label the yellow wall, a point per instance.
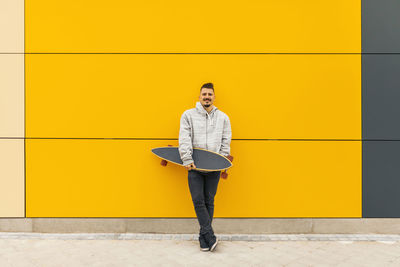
(122, 178)
(308, 94)
(257, 26)
(143, 96)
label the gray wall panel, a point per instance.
(381, 179)
(381, 96)
(381, 26)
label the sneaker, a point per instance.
(203, 244)
(212, 240)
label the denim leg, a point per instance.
(196, 186)
(210, 190)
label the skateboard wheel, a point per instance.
(224, 175)
(230, 157)
(164, 162)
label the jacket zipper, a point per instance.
(206, 130)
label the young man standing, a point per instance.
(209, 128)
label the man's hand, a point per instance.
(190, 166)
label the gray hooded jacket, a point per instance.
(200, 129)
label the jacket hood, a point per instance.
(201, 110)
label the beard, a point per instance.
(207, 105)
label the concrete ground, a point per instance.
(55, 250)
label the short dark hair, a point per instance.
(207, 85)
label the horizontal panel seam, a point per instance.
(55, 217)
(176, 139)
(111, 53)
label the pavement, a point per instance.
(183, 250)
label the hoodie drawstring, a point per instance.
(200, 108)
(211, 119)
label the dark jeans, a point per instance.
(203, 187)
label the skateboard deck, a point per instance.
(204, 160)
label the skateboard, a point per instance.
(205, 160)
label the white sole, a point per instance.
(215, 244)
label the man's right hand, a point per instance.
(190, 166)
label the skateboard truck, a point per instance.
(224, 174)
(164, 162)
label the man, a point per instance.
(209, 128)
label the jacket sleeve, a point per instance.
(185, 140)
(226, 138)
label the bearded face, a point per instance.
(207, 97)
